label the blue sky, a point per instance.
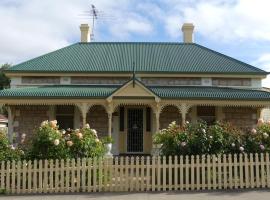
(238, 28)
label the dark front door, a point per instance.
(135, 130)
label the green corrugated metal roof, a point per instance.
(148, 58)
(211, 93)
(58, 92)
(185, 92)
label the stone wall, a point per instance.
(171, 81)
(168, 115)
(242, 117)
(97, 118)
(40, 80)
(231, 81)
(28, 118)
(99, 80)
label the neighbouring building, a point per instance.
(130, 90)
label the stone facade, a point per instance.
(242, 117)
(171, 81)
(97, 118)
(28, 118)
(99, 80)
(231, 82)
(40, 80)
(168, 115)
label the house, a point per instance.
(130, 90)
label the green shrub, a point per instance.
(85, 143)
(8, 151)
(219, 138)
(51, 143)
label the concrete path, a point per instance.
(222, 195)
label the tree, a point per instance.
(4, 81)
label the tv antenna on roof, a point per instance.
(95, 14)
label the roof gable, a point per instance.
(133, 88)
(148, 58)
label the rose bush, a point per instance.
(8, 151)
(199, 138)
(51, 143)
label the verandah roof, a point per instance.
(166, 92)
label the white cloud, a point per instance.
(264, 63)
(30, 28)
(222, 20)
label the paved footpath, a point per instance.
(221, 195)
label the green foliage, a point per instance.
(86, 144)
(219, 138)
(4, 81)
(51, 143)
(47, 143)
(7, 151)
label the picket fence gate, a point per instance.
(136, 174)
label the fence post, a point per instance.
(236, 171)
(181, 173)
(142, 177)
(209, 182)
(3, 175)
(83, 174)
(267, 170)
(127, 173)
(24, 177)
(246, 170)
(251, 163)
(148, 174)
(8, 177)
(62, 175)
(257, 164)
(170, 173)
(68, 180)
(19, 166)
(198, 174)
(230, 171)
(203, 172)
(131, 173)
(153, 173)
(219, 172)
(29, 175)
(158, 173)
(35, 187)
(78, 175)
(89, 175)
(13, 173)
(187, 166)
(116, 174)
(225, 175)
(45, 176)
(51, 170)
(164, 167)
(214, 161)
(121, 186)
(175, 172)
(137, 163)
(192, 172)
(40, 177)
(100, 174)
(241, 170)
(262, 163)
(95, 174)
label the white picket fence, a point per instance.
(136, 174)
